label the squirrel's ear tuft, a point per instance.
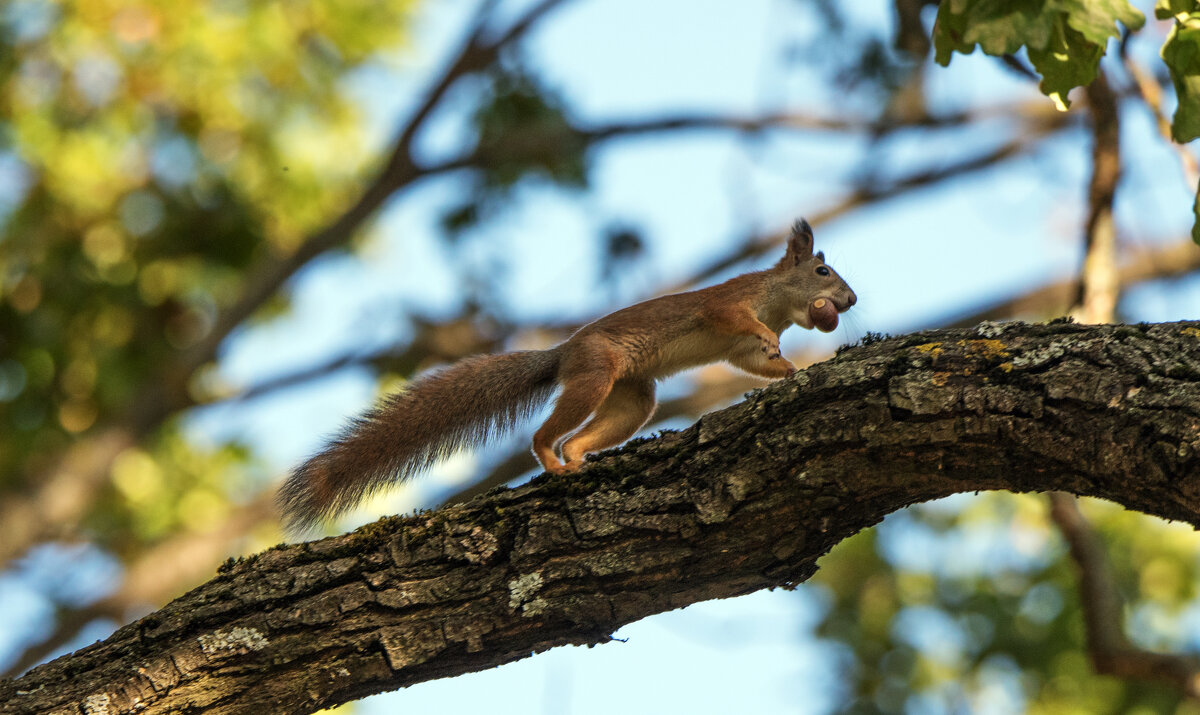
(800, 243)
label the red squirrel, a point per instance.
(607, 371)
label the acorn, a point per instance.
(824, 315)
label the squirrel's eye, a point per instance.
(822, 271)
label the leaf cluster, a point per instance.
(1064, 39)
(152, 155)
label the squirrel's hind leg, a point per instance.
(627, 407)
(587, 381)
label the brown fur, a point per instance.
(440, 413)
(607, 372)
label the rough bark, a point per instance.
(747, 498)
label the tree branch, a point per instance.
(25, 519)
(1096, 301)
(867, 195)
(1150, 93)
(1103, 614)
(434, 342)
(746, 499)
(65, 492)
(1174, 260)
(475, 54)
(28, 519)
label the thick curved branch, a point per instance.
(748, 498)
(28, 514)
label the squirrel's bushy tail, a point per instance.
(438, 414)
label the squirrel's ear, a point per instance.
(800, 243)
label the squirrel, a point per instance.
(607, 371)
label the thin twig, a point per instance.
(859, 197)
(475, 54)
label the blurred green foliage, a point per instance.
(149, 153)
(977, 604)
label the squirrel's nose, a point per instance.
(851, 300)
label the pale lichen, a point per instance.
(535, 607)
(521, 592)
(236, 638)
(96, 704)
(1040, 356)
(991, 329)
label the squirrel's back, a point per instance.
(438, 414)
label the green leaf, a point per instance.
(1181, 52)
(999, 27)
(1096, 19)
(1167, 9)
(1070, 61)
(1065, 39)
